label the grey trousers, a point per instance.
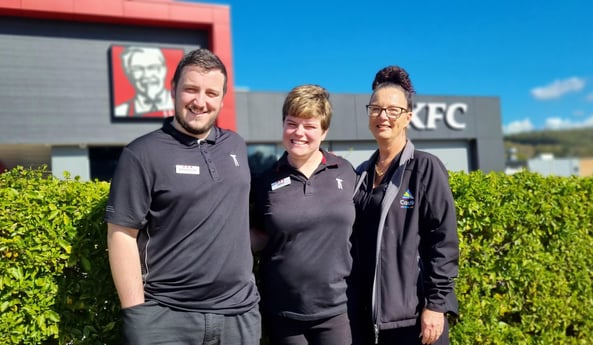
(154, 324)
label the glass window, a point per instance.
(261, 157)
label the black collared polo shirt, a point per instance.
(190, 201)
(309, 221)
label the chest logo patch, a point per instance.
(407, 200)
(280, 183)
(187, 169)
(234, 157)
(339, 181)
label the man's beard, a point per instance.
(193, 130)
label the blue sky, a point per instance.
(536, 56)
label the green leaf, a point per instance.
(86, 264)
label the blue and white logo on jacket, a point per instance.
(407, 200)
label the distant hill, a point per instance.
(562, 143)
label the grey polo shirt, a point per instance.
(307, 259)
(190, 201)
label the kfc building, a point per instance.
(80, 79)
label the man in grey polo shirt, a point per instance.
(178, 223)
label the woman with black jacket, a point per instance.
(405, 243)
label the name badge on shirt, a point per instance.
(187, 169)
(281, 183)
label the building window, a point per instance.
(103, 161)
(261, 157)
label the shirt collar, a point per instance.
(328, 160)
(188, 139)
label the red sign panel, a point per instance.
(141, 79)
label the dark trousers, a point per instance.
(154, 324)
(399, 336)
(331, 331)
(410, 336)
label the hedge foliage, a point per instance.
(55, 283)
(526, 269)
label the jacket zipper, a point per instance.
(376, 333)
(376, 303)
(407, 153)
(375, 297)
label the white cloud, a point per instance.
(551, 123)
(589, 97)
(558, 88)
(554, 123)
(558, 123)
(518, 127)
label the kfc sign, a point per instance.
(140, 81)
(427, 115)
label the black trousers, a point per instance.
(398, 336)
(331, 331)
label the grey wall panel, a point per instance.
(455, 155)
(264, 114)
(55, 85)
(490, 154)
(242, 111)
(362, 120)
(488, 118)
(343, 123)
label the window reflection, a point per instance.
(261, 157)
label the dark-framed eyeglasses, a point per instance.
(392, 112)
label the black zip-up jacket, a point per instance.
(417, 246)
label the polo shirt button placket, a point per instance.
(210, 163)
(308, 188)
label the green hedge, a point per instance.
(526, 269)
(55, 284)
(526, 274)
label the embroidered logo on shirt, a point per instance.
(280, 183)
(187, 169)
(234, 157)
(407, 200)
(339, 180)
